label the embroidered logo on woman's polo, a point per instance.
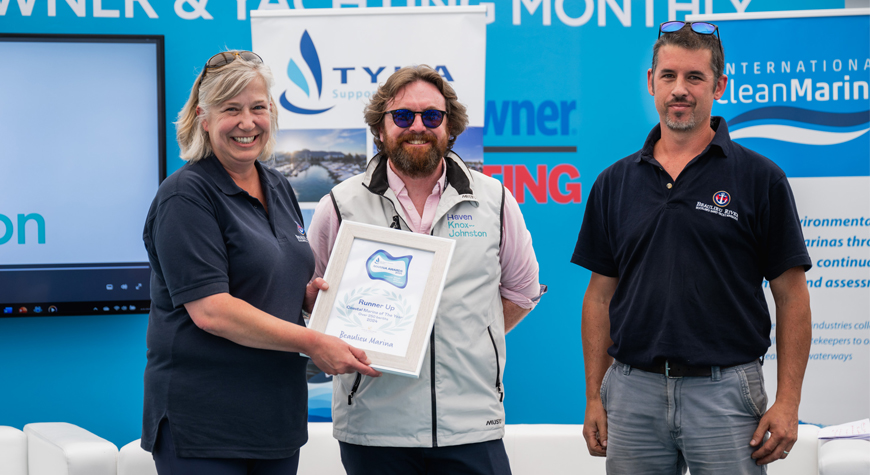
(721, 199)
(301, 236)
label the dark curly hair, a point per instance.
(457, 118)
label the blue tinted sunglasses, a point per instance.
(699, 27)
(404, 118)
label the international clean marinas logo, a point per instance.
(816, 98)
(312, 64)
(393, 270)
(800, 125)
(801, 103)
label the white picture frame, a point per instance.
(384, 289)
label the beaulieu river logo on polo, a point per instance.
(392, 270)
(721, 199)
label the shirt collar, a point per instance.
(457, 177)
(225, 182)
(721, 140)
(397, 185)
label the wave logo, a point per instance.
(392, 270)
(294, 72)
(800, 126)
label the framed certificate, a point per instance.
(384, 290)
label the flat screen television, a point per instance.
(85, 150)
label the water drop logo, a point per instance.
(393, 270)
(800, 126)
(294, 72)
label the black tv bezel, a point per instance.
(159, 42)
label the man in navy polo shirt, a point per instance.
(680, 238)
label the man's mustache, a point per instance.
(413, 136)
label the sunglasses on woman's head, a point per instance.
(224, 58)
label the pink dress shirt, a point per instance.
(519, 267)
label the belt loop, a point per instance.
(716, 373)
(626, 369)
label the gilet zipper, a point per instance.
(497, 367)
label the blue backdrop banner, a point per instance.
(565, 96)
(798, 94)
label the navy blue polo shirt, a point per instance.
(691, 253)
(204, 236)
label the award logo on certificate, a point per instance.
(384, 290)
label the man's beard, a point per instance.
(418, 162)
(688, 122)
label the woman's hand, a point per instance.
(331, 355)
(311, 291)
(334, 356)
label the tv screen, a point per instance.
(84, 155)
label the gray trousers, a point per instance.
(658, 425)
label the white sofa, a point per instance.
(320, 456)
(533, 449)
(803, 459)
(844, 457)
(551, 449)
(132, 460)
(13, 451)
(58, 448)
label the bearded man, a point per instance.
(450, 419)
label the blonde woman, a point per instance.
(225, 387)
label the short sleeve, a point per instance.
(593, 249)
(190, 249)
(784, 244)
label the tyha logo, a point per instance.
(294, 72)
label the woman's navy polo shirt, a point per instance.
(691, 253)
(204, 236)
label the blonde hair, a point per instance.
(212, 87)
(457, 118)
